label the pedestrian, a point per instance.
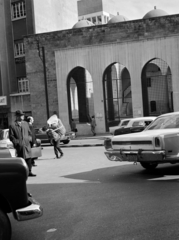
(73, 126)
(93, 125)
(55, 133)
(21, 136)
(35, 142)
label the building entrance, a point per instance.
(157, 89)
(117, 94)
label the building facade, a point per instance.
(112, 71)
(98, 11)
(20, 18)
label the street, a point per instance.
(87, 197)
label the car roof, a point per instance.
(143, 118)
(126, 119)
(169, 114)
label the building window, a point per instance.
(94, 20)
(23, 85)
(19, 50)
(18, 10)
(99, 19)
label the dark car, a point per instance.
(14, 197)
(121, 131)
(40, 134)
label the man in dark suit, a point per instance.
(21, 136)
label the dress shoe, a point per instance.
(34, 165)
(61, 155)
(32, 175)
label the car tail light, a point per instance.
(157, 142)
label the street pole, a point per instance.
(45, 82)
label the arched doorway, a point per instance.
(80, 95)
(117, 94)
(157, 90)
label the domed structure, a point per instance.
(155, 13)
(118, 18)
(83, 23)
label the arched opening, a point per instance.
(117, 94)
(157, 89)
(80, 95)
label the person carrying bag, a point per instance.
(55, 133)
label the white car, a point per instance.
(158, 143)
(7, 148)
(132, 122)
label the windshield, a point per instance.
(165, 122)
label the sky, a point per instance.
(136, 9)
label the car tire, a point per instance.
(66, 141)
(149, 166)
(5, 226)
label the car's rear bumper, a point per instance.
(136, 156)
(34, 210)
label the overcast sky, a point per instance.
(136, 9)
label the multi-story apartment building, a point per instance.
(19, 18)
(98, 11)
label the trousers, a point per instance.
(57, 148)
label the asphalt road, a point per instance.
(87, 197)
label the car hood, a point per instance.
(145, 135)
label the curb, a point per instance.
(83, 145)
(77, 145)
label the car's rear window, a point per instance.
(125, 123)
(138, 123)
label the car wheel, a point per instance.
(66, 141)
(149, 166)
(5, 226)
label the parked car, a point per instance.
(157, 144)
(14, 197)
(7, 148)
(132, 122)
(123, 123)
(134, 125)
(44, 138)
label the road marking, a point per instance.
(165, 177)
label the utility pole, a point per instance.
(45, 82)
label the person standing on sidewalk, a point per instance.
(73, 126)
(21, 136)
(93, 125)
(35, 142)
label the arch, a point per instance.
(117, 94)
(157, 90)
(80, 95)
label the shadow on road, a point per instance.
(127, 173)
